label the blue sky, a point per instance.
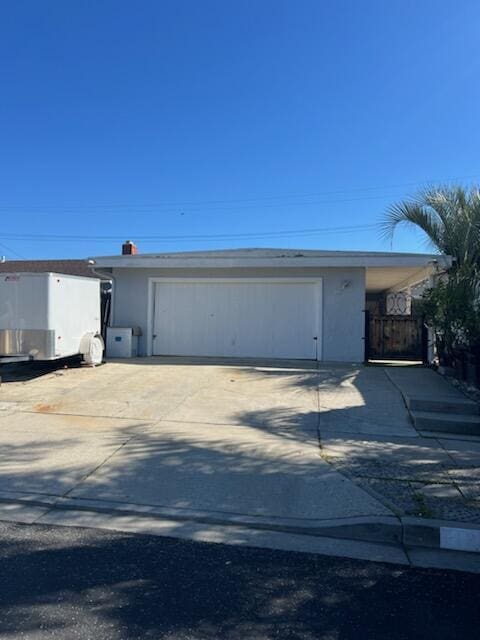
(158, 120)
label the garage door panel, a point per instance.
(236, 319)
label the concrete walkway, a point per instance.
(434, 404)
(423, 383)
(437, 476)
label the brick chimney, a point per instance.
(128, 248)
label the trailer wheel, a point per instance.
(92, 351)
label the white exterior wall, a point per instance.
(343, 302)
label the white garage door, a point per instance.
(261, 318)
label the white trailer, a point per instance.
(48, 316)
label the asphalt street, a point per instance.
(61, 582)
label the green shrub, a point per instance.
(452, 309)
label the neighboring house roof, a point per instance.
(68, 267)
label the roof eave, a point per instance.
(361, 260)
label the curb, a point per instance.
(386, 529)
(406, 531)
(441, 534)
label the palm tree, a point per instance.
(450, 219)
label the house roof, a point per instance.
(383, 270)
(253, 257)
(254, 252)
(68, 267)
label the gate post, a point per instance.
(425, 341)
(366, 337)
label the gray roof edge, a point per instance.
(267, 253)
(276, 256)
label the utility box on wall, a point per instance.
(122, 342)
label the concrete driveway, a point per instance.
(195, 439)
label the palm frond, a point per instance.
(449, 216)
(415, 214)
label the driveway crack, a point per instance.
(85, 477)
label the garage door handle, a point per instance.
(315, 337)
(154, 336)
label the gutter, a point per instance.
(109, 276)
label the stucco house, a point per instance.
(268, 303)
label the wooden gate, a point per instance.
(395, 337)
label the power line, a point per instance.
(156, 211)
(152, 210)
(176, 238)
(79, 207)
(12, 252)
